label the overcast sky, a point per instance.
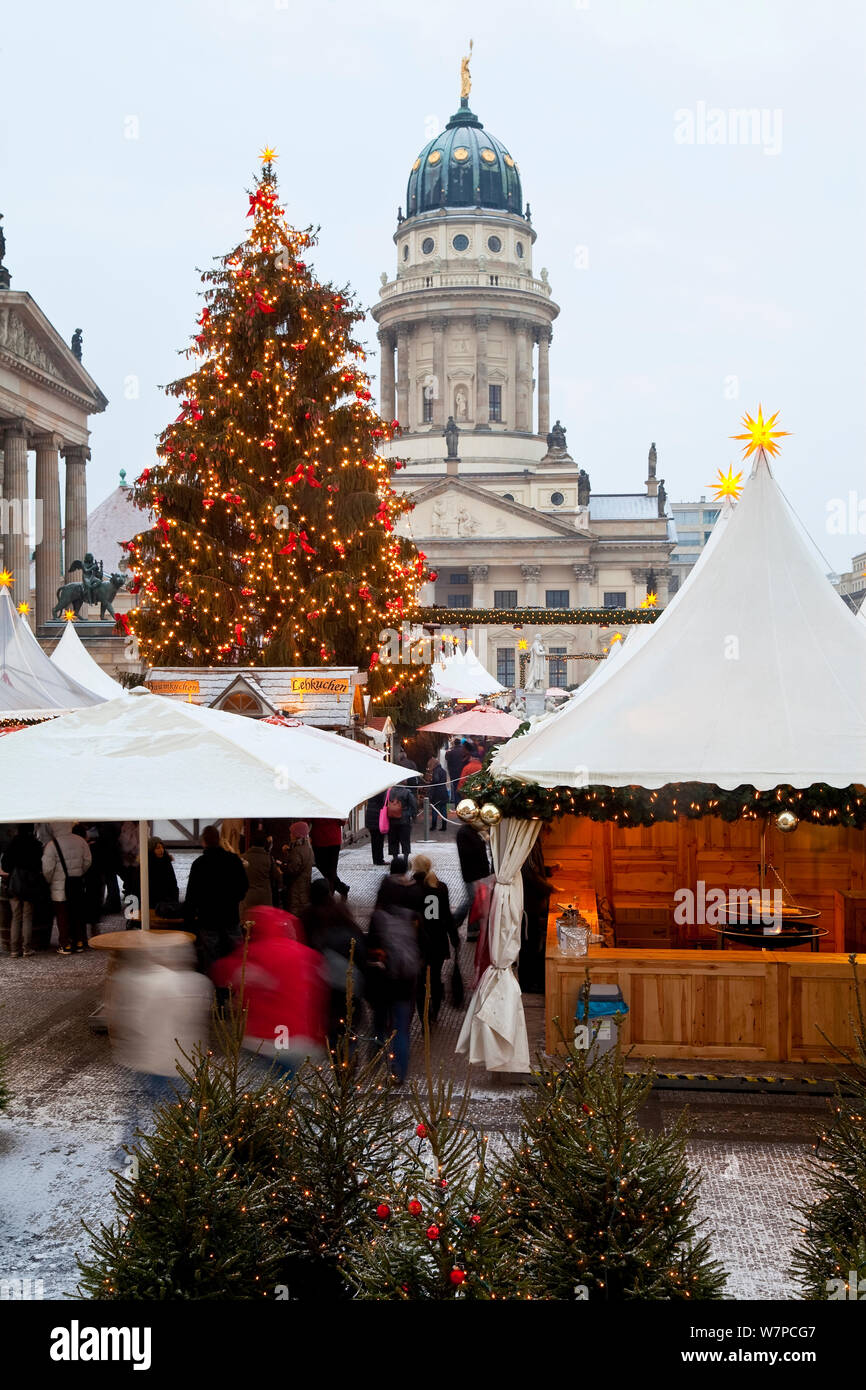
(694, 278)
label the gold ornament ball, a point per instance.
(786, 820)
(490, 814)
(466, 809)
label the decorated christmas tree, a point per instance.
(274, 539)
(601, 1208)
(830, 1260)
(436, 1226)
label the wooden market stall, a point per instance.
(720, 758)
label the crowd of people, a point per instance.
(272, 924)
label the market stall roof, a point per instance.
(754, 675)
(483, 721)
(147, 757)
(31, 685)
(73, 658)
(463, 677)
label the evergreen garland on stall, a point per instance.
(635, 806)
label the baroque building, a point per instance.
(507, 517)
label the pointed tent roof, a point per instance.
(754, 676)
(74, 660)
(31, 685)
(462, 677)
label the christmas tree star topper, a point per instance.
(268, 154)
(729, 484)
(760, 434)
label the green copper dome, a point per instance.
(464, 167)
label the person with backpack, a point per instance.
(65, 860)
(21, 865)
(401, 808)
(393, 963)
(436, 932)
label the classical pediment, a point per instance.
(30, 343)
(453, 508)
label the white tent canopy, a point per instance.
(753, 675)
(73, 658)
(31, 685)
(147, 757)
(463, 677)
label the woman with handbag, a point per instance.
(65, 860)
(22, 863)
(401, 808)
(373, 821)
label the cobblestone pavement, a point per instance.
(58, 1140)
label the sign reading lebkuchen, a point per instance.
(320, 685)
(174, 687)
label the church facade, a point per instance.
(506, 516)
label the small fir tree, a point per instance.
(829, 1261)
(436, 1227)
(201, 1214)
(602, 1209)
(274, 539)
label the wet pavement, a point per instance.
(59, 1137)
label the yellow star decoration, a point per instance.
(650, 601)
(267, 154)
(729, 484)
(523, 644)
(69, 615)
(617, 637)
(760, 434)
(24, 609)
(5, 579)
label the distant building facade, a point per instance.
(694, 523)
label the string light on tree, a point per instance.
(274, 539)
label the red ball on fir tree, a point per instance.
(458, 1276)
(475, 1219)
(383, 1211)
(433, 1232)
(421, 1130)
(415, 1208)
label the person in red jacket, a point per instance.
(326, 837)
(285, 991)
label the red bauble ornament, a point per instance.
(415, 1208)
(475, 1219)
(443, 1182)
(585, 1108)
(383, 1211)
(458, 1276)
(421, 1130)
(433, 1232)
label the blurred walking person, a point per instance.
(401, 808)
(393, 962)
(296, 866)
(216, 888)
(263, 876)
(437, 932)
(326, 837)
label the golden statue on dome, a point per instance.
(465, 75)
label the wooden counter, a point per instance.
(750, 1005)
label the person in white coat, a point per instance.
(158, 1010)
(65, 860)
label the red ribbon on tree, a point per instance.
(189, 411)
(121, 621)
(298, 538)
(163, 526)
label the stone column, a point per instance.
(49, 572)
(387, 405)
(76, 456)
(523, 379)
(439, 379)
(17, 542)
(482, 377)
(663, 586)
(478, 575)
(543, 336)
(586, 578)
(403, 376)
(532, 574)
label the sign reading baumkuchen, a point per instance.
(173, 687)
(320, 685)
